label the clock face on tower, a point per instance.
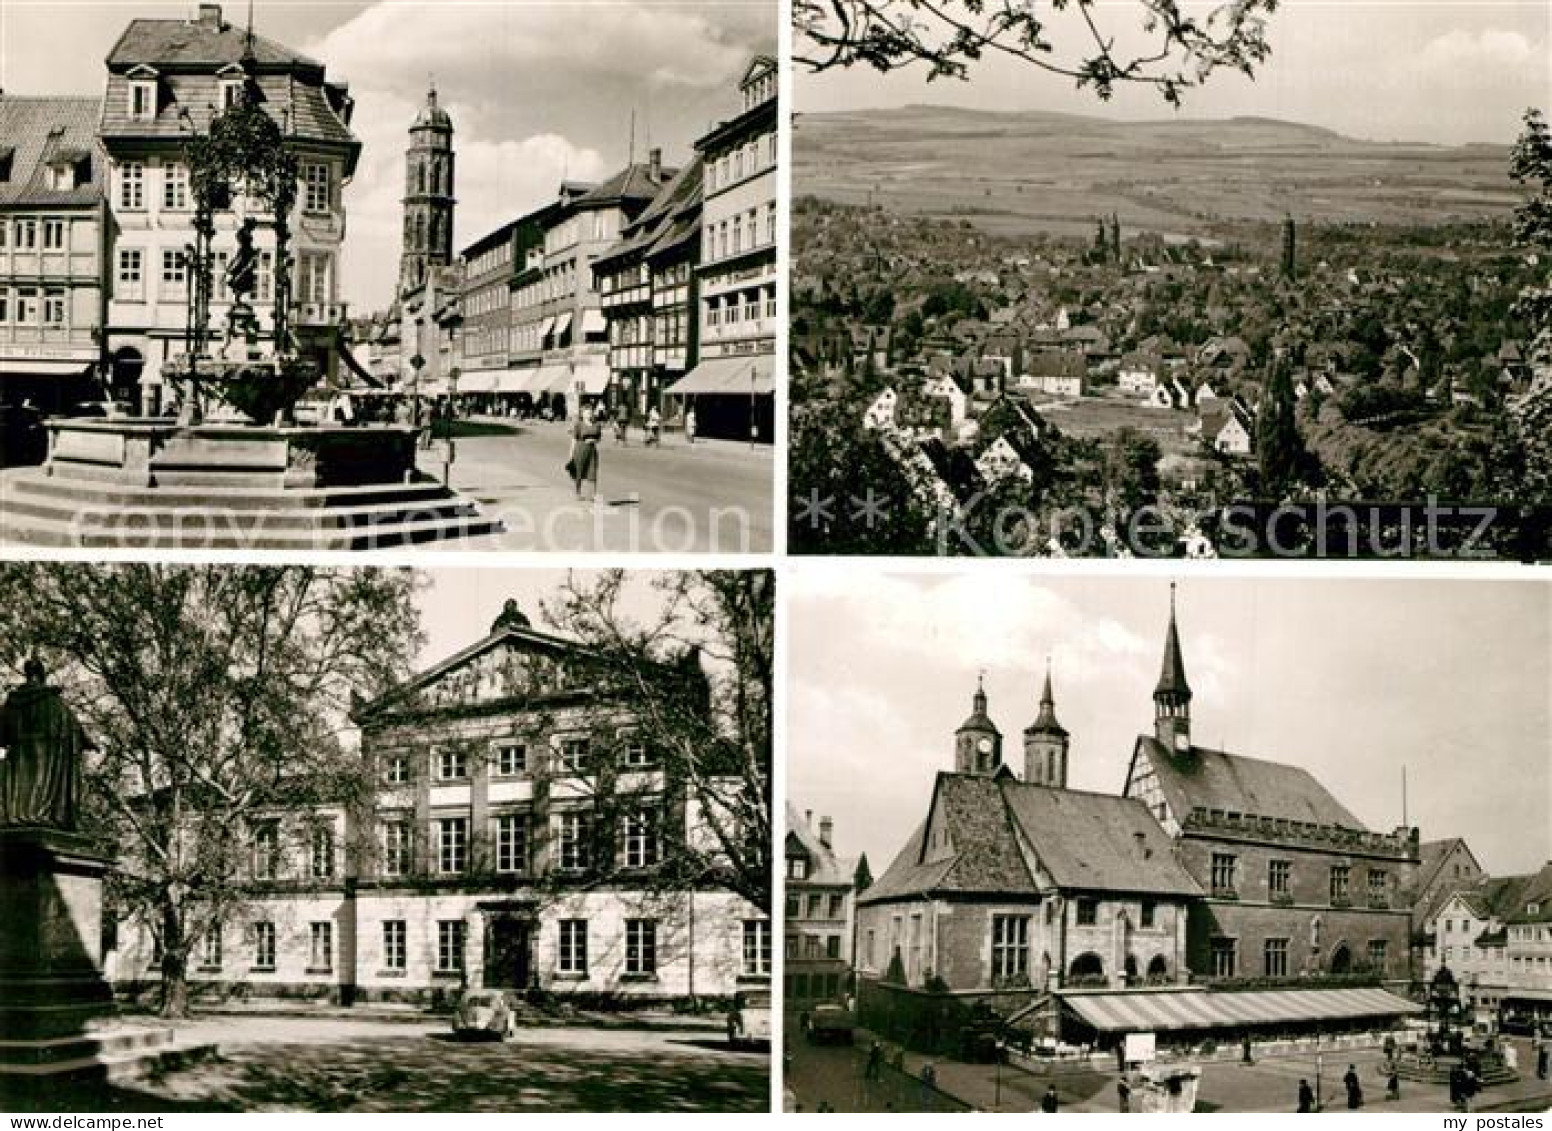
(984, 746)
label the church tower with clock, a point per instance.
(978, 742)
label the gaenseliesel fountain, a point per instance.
(235, 468)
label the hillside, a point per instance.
(1030, 171)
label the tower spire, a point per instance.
(1172, 695)
(1046, 741)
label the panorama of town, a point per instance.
(984, 363)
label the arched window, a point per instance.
(420, 178)
(1341, 959)
(1158, 969)
(1087, 967)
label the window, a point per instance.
(53, 235)
(797, 868)
(320, 954)
(1278, 873)
(317, 191)
(757, 947)
(1087, 912)
(398, 769)
(264, 278)
(511, 759)
(869, 947)
(231, 93)
(5, 229)
(5, 302)
(573, 755)
(1150, 913)
(174, 271)
(1010, 946)
(815, 905)
(266, 851)
(837, 908)
(1379, 888)
(635, 753)
(313, 278)
(1223, 873)
(396, 848)
(1339, 877)
(832, 946)
(264, 946)
(640, 840)
(573, 947)
(395, 948)
(1377, 955)
(1223, 951)
(175, 187)
(142, 99)
(1275, 956)
(27, 306)
(321, 850)
(450, 762)
(449, 954)
(26, 235)
(53, 307)
(573, 842)
(452, 842)
(641, 946)
(132, 186)
(512, 843)
(793, 911)
(211, 958)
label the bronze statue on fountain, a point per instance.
(244, 148)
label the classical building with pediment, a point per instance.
(508, 836)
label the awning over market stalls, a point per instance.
(480, 380)
(1143, 1011)
(727, 376)
(34, 367)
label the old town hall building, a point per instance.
(510, 838)
(1172, 908)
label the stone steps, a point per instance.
(67, 512)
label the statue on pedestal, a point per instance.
(42, 744)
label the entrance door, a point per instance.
(508, 954)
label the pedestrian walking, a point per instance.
(654, 428)
(1244, 1050)
(689, 426)
(1306, 1096)
(875, 1062)
(1354, 1088)
(583, 464)
(1543, 1056)
(1050, 1101)
(929, 1083)
(1123, 1096)
(1393, 1085)
(1457, 1073)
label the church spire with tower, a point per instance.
(428, 195)
(1172, 696)
(978, 742)
(1045, 743)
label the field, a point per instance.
(1015, 173)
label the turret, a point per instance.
(977, 742)
(1172, 696)
(1045, 743)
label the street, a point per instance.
(835, 1075)
(336, 1065)
(714, 496)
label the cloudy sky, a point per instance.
(1350, 679)
(1441, 71)
(537, 91)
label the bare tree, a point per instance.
(216, 694)
(949, 37)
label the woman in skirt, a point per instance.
(585, 435)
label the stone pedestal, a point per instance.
(1167, 1089)
(51, 982)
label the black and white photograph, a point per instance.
(287, 838)
(1110, 844)
(1121, 278)
(338, 276)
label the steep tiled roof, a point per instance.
(38, 130)
(825, 866)
(634, 182)
(1213, 779)
(1096, 841)
(196, 43)
(301, 107)
(668, 219)
(1172, 672)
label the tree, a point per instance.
(949, 37)
(1279, 448)
(710, 731)
(214, 694)
(1524, 451)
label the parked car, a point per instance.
(749, 1021)
(830, 1022)
(484, 1013)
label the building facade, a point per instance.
(485, 344)
(166, 78)
(820, 927)
(508, 840)
(51, 259)
(648, 293)
(1295, 887)
(731, 387)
